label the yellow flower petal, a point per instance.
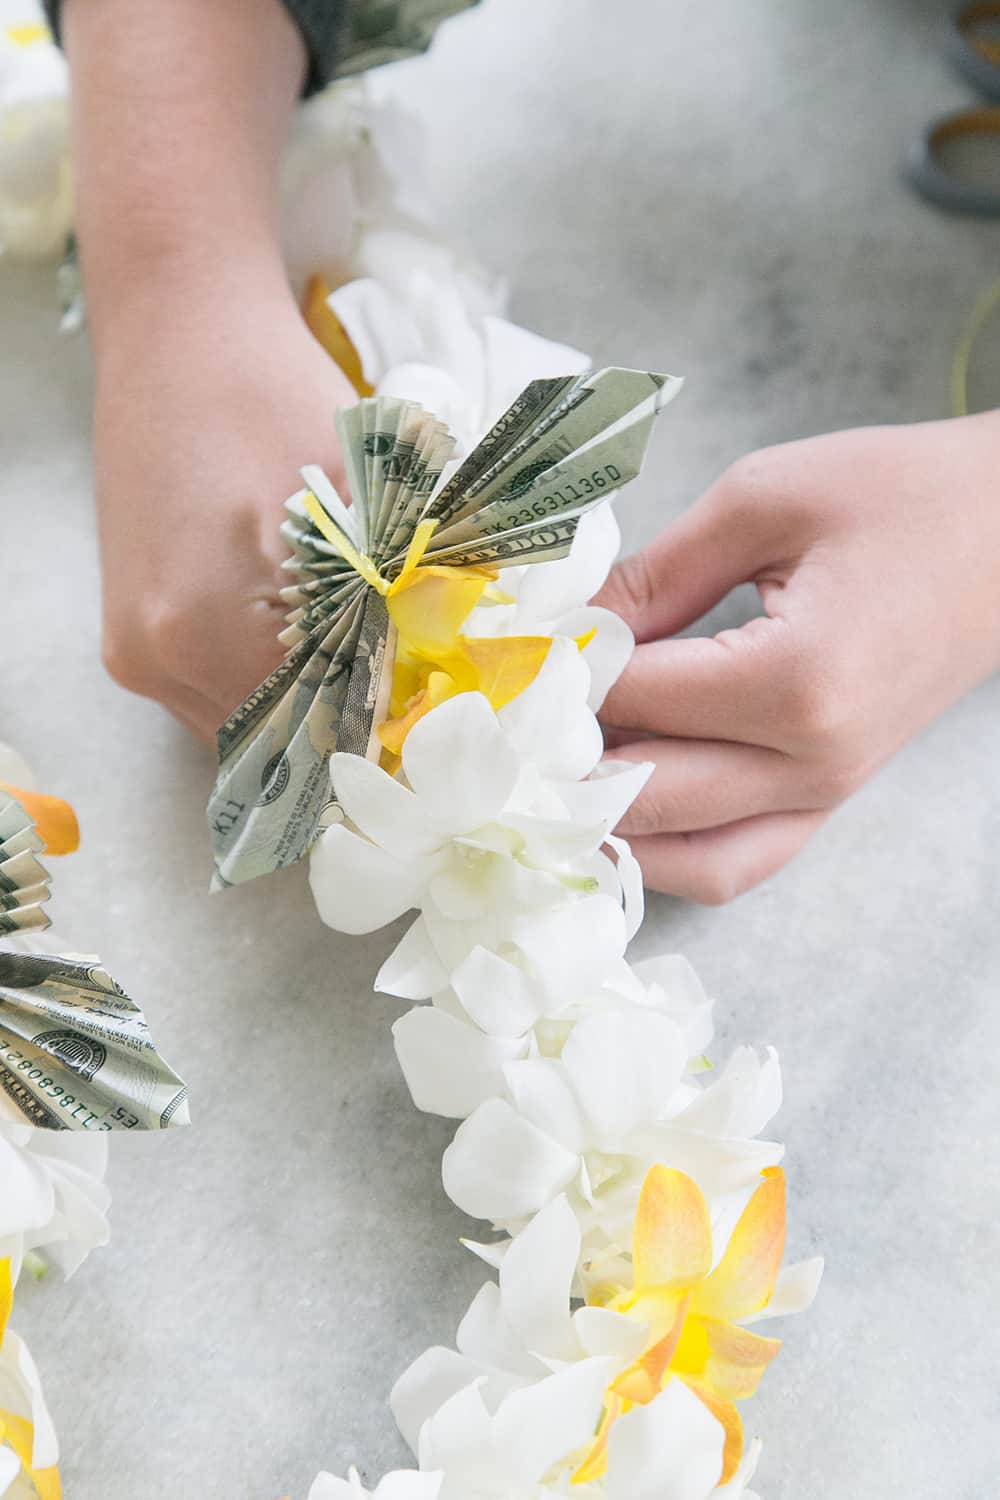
(725, 1412)
(19, 1433)
(393, 732)
(6, 1295)
(47, 1483)
(596, 1461)
(54, 819)
(672, 1238)
(743, 1281)
(647, 1377)
(506, 666)
(727, 1359)
(326, 327)
(428, 606)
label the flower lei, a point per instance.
(641, 1216)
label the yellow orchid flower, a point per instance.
(693, 1311)
(17, 1432)
(434, 661)
(54, 819)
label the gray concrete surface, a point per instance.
(706, 188)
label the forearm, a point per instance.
(180, 111)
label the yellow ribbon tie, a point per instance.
(360, 561)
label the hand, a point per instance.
(876, 554)
(203, 419)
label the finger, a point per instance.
(739, 685)
(708, 783)
(728, 537)
(718, 864)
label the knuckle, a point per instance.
(125, 665)
(835, 778)
(716, 885)
(630, 589)
(818, 704)
(148, 648)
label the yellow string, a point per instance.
(360, 561)
(987, 305)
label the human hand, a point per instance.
(876, 554)
(205, 412)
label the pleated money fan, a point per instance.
(75, 1051)
(383, 586)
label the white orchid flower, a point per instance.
(422, 333)
(353, 166)
(36, 198)
(509, 1452)
(54, 1198)
(524, 1448)
(516, 1332)
(553, 598)
(469, 840)
(594, 1120)
(453, 1052)
(29, 1451)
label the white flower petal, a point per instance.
(384, 810)
(630, 879)
(680, 994)
(459, 1439)
(536, 1279)
(432, 1379)
(460, 764)
(550, 590)
(550, 723)
(548, 1421)
(742, 1100)
(794, 1291)
(413, 970)
(450, 1067)
(28, 1198)
(499, 996)
(571, 948)
(608, 792)
(501, 1167)
(486, 1337)
(668, 1450)
(542, 1093)
(601, 1331)
(607, 654)
(515, 356)
(357, 886)
(624, 1068)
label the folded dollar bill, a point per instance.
(75, 1051)
(24, 880)
(563, 447)
(373, 32)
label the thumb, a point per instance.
(725, 539)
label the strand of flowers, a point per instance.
(53, 1206)
(642, 1217)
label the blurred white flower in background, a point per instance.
(36, 196)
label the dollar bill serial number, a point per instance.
(582, 489)
(42, 1084)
